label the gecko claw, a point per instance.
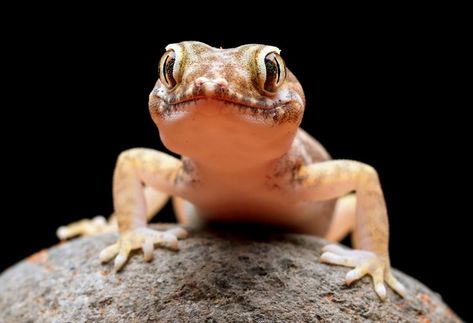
(141, 238)
(364, 263)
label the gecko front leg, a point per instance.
(136, 168)
(332, 179)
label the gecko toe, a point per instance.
(333, 248)
(148, 248)
(378, 282)
(120, 261)
(395, 284)
(178, 232)
(334, 259)
(355, 274)
(381, 291)
(109, 253)
(168, 240)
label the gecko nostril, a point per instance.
(221, 82)
(200, 81)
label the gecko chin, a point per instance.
(204, 125)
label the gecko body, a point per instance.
(234, 115)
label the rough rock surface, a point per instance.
(218, 276)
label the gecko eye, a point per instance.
(166, 69)
(275, 72)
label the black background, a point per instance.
(380, 89)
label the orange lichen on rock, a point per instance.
(424, 298)
(39, 257)
(423, 319)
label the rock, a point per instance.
(219, 275)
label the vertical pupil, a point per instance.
(275, 72)
(165, 72)
(272, 74)
(169, 70)
(279, 70)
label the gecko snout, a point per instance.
(210, 86)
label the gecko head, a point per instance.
(210, 98)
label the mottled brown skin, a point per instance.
(233, 115)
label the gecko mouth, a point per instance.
(275, 111)
(263, 105)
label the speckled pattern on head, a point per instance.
(242, 73)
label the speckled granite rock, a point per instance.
(218, 276)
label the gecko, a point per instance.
(233, 115)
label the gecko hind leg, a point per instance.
(155, 200)
(187, 213)
(87, 227)
(343, 219)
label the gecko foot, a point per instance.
(364, 263)
(86, 227)
(141, 238)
